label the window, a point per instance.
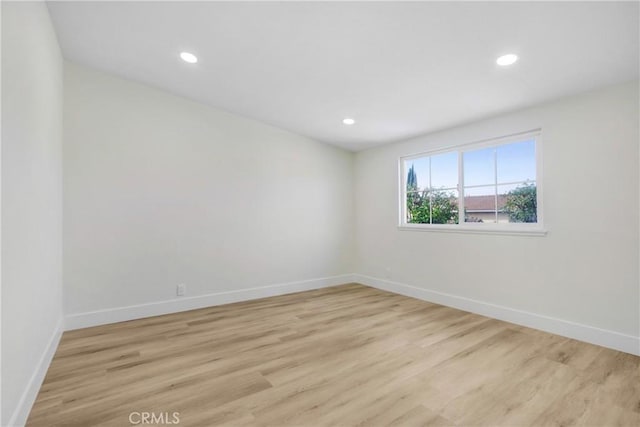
(488, 186)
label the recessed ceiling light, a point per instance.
(189, 57)
(348, 121)
(505, 60)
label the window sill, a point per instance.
(484, 229)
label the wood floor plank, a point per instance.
(348, 355)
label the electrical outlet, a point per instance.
(181, 289)
(387, 272)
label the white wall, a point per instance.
(585, 270)
(31, 202)
(159, 190)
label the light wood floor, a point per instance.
(347, 355)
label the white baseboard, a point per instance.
(605, 338)
(21, 413)
(121, 314)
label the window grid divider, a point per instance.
(495, 180)
(461, 212)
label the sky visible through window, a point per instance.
(516, 163)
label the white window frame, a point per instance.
(532, 229)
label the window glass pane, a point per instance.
(479, 167)
(444, 206)
(519, 203)
(418, 208)
(480, 204)
(444, 170)
(517, 162)
(417, 171)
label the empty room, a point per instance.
(320, 213)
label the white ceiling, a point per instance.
(400, 69)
